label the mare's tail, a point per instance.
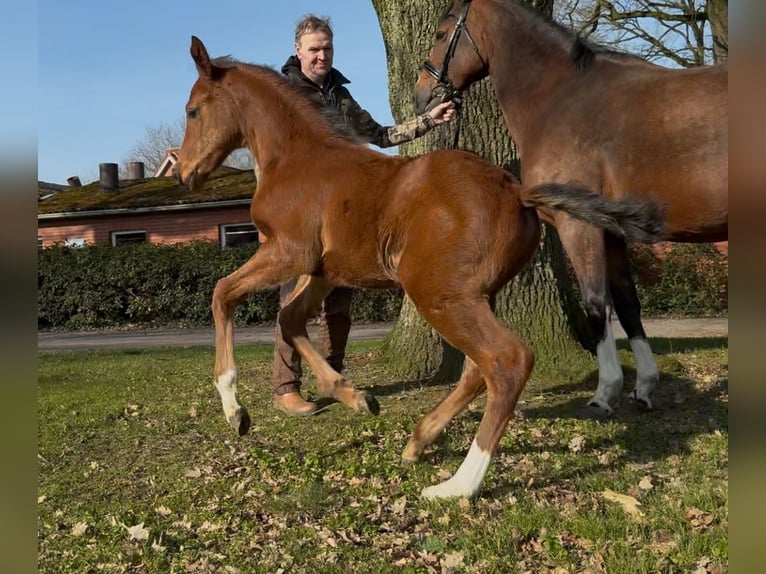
(632, 219)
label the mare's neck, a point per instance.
(528, 59)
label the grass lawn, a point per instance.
(139, 472)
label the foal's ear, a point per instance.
(201, 58)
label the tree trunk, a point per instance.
(541, 305)
(718, 16)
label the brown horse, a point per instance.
(607, 121)
(449, 227)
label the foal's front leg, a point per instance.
(266, 269)
(306, 298)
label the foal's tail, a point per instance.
(632, 219)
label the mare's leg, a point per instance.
(467, 323)
(628, 308)
(268, 268)
(470, 386)
(305, 299)
(585, 247)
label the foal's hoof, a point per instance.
(366, 403)
(642, 402)
(240, 421)
(410, 454)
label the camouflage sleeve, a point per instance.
(384, 136)
(409, 130)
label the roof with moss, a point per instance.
(224, 185)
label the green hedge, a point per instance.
(691, 280)
(152, 285)
(148, 285)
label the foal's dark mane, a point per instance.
(308, 109)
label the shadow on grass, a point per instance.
(684, 408)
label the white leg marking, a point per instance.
(647, 372)
(467, 480)
(227, 388)
(609, 371)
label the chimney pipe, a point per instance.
(74, 181)
(136, 170)
(108, 176)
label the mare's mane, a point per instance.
(297, 99)
(582, 52)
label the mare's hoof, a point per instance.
(642, 402)
(240, 422)
(600, 408)
(366, 403)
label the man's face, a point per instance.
(315, 54)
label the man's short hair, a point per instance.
(310, 24)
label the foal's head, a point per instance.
(212, 129)
(215, 122)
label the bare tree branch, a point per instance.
(161, 137)
(678, 32)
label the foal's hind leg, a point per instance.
(628, 308)
(305, 299)
(585, 248)
(470, 386)
(505, 363)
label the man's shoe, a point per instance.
(294, 404)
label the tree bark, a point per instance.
(718, 17)
(541, 305)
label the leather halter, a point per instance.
(440, 75)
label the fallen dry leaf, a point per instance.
(628, 503)
(646, 483)
(138, 532)
(699, 519)
(701, 566)
(452, 560)
(79, 529)
(398, 506)
(577, 444)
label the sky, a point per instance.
(110, 70)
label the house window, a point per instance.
(237, 234)
(74, 242)
(126, 237)
(39, 242)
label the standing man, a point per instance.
(311, 69)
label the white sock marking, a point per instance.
(227, 388)
(609, 370)
(467, 480)
(647, 372)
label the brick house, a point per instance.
(155, 210)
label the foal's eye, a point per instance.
(192, 113)
(440, 35)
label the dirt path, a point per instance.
(50, 341)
